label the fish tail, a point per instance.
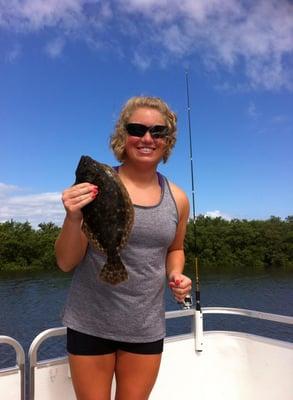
(114, 271)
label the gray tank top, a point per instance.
(134, 310)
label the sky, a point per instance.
(68, 66)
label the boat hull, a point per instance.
(202, 364)
(232, 366)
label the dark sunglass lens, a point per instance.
(138, 130)
(159, 131)
(158, 128)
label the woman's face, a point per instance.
(145, 149)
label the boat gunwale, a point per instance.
(60, 331)
(283, 319)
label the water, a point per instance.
(270, 291)
(33, 303)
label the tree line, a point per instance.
(218, 243)
(25, 248)
(256, 244)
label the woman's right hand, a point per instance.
(76, 197)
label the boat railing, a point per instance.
(14, 375)
(197, 319)
(36, 365)
(284, 319)
(38, 368)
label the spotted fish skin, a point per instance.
(108, 219)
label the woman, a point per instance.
(120, 329)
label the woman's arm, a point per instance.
(71, 244)
(178, 282)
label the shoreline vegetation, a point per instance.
(256, 245)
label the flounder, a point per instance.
(108, 219)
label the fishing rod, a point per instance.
(198, 313)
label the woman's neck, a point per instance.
(139, 176)
(142, 184)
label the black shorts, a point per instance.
(86, 345)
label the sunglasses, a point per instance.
(139, 130)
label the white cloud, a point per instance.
(32, 15)
(66, 15)
(13, 54)
(5, 188)
(253, 35)
(34, 208)
(281, 119)
(252, 112)
(217, 214)
(55, 47)
(141, 61)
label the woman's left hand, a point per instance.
(180, 286)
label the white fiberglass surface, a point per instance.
(10, 386)
(231, 366)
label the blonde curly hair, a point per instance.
(118, 138)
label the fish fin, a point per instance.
(114, 272)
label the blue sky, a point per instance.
(66, 68)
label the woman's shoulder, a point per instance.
(177, 191)
(180, 198)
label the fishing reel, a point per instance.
(187, 302)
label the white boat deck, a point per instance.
(231, 366)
